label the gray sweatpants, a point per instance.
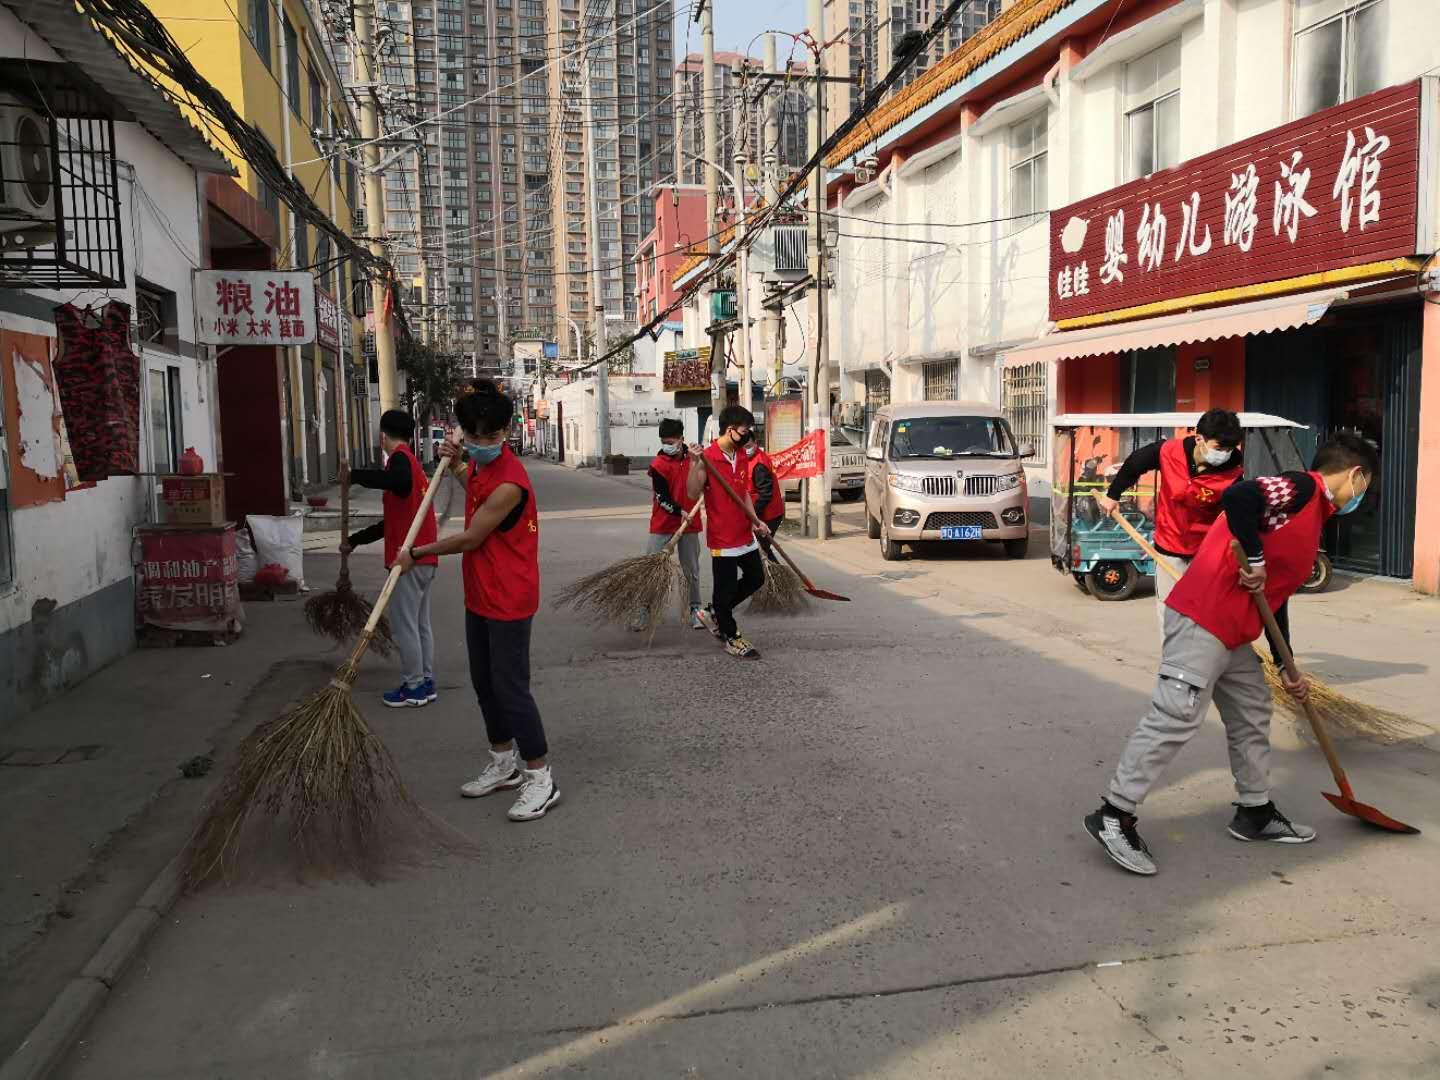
(688, 551)
(409, 613)
(1195, 666)
(1163, 585)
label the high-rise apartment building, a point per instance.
(518, 107)
(737, 89)
(869, 30)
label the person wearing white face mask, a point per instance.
(669, 472)
(1194, 473)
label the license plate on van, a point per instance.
(960, 532)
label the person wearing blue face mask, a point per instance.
(500, 549)
(1210, 621)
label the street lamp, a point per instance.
(741, 272)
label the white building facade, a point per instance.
(66, 575)
(944, 238)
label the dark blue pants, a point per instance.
(500, 671)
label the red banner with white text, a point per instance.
(802, 461)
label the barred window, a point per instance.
(1023, 401)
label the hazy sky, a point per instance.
(738, 21)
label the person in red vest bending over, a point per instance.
(669, 504)
(766, 494)
(403, 483)
(1194, 473)
(500, 566)
(1210, 621)
(730, 526)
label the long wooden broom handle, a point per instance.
(1287, 661)
(684, 524)
(342, 434)
(740, 503)
(1145, 545)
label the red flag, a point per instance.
(803, 460)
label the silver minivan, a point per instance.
(945, 471)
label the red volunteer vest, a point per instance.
(399, 513)
(726, 524)
(1210, 592)
(1188, 505)
(676, 471)
(502, 575)
(776, 506)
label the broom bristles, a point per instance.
(783, 593)
(630, 592)
(1340, 711)
(341, 614)
(319, 766)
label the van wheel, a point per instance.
(1015, 549)
(872, 527)
(850, 495)
(889, 549)
(1113, 580)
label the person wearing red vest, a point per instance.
(670, 502)
(766, 494)
(1210, 621)
(402, 482)
(1194, 473)
(500, 566)
(730, 527)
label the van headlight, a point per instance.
(904, 482)
(1009, 483)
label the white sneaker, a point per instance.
(501, 774)
(538, 794)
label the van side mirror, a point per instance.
(1027, 450)
(875, 453)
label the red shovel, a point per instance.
(810, 587)
(1345, 802)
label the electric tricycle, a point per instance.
(1087, 450)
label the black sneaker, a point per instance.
(1268, 823)
(1115, 831)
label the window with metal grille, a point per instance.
(155, 316)
(1023, 400)
(942, 380)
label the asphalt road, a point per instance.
(861, 856)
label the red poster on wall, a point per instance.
(1334, 189)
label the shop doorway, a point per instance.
(1358, 371)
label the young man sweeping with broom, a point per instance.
(402, 482)
(669, 472)
(1194, 473)
(1210, 621)
(501, 570)
(731, 526)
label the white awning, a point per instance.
(1208, 324)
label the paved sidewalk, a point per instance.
(102, 804)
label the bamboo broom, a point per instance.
(1334, 707)
(320, 764)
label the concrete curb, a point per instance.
(75, 1006)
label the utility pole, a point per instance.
(770, 162)
(820, 380)
(374, 202)
(597, 280)
(712, 190)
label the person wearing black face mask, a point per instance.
(670, 502)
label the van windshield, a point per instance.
(950, 436)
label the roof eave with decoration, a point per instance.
(1008, 38)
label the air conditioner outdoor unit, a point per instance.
(27, 188)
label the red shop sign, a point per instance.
(1335, 189)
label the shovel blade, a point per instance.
(1368, 814)
(825, 594)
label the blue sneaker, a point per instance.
(406, 696)
(431, 694)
